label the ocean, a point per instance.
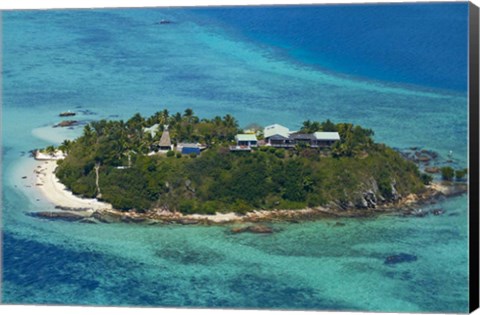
(398, 69)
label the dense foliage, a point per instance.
(448, 173)
(222, 181)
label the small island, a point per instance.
(183, 167)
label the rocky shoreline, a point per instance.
(254, 222)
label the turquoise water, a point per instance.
(118, 62)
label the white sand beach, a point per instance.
(56, 192)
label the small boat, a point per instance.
(165, 22)
(67, 113)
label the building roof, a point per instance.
(165, 139)
(276, 129)
(246, 137)
(326, 135)
(302, 136)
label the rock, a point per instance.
(431, 154)
(187, 221)
(257, 229)
(437, 211)
(236, 230)
(293, 221)
(395, 194)
(128, 219)
(345, 205)
(419, 213)
(63, 216)
(66, 114)
(71, 209)
(370, 199)
(432, 170)
(424, 158)
(400, 258)
(23, 177)
(66, 123)
(88, 221)
(106, 217)
(339, 224)
(361, 203)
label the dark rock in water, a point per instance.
(187, 222)
(128, 219)
(64, 216)
(424, 158)
(455, 214)
(339, 224)
(67, 114)
(400, 258)
(236, 230)
(257, 229)
(431, 154)
(24, 177)
(105, 217)
(71, 209)
(432, 170)
(437, 211)
(165, 22)
(419, 213)
(294, 221)
(88, 221)
(66, 123)
(87, 112)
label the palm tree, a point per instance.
(164, 117)
(230, 121)
(188, 112)
(50, 150)
(307, 125)
(65, 146)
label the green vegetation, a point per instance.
(447, 173)
(460, 174)
(222, 181)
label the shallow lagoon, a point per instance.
(116, 63)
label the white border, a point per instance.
(48, 4)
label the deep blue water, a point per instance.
(398, 69)
(423, 44)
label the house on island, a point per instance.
(245, 139)
(325, 139)
(165, 144)
(301, 138)
(245, 142)
(279, 136)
